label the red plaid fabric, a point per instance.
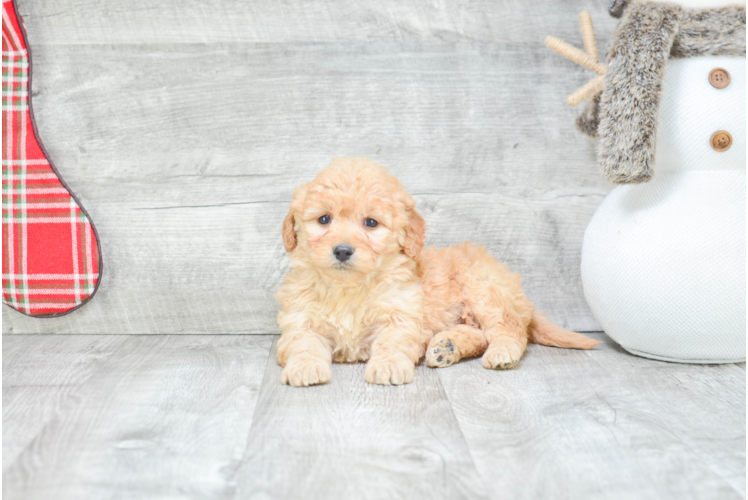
(51, 259)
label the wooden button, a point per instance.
(719, 78)
(721, 141)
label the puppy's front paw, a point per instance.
(442, 352)
(502, 353)
(305, 371)
(395, 370)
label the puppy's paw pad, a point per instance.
(501, 355)
(306, 372)
(441, 352)
(395, 370)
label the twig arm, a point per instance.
(574, 54)
(586, 91)
(588, 35)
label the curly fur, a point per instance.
(624, 114)
(392, 298)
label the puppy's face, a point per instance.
(351, 219)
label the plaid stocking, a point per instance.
(51, 262)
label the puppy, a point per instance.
(362, 288)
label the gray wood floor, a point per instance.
(175, 416)
(183, 127)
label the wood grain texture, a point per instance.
(141, 22)
(163, 417)
(169, 416)
(42, 378)
(349, 439)
(183, 128)
(603, 424)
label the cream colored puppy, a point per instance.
(361, 288)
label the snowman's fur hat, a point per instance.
(624, 114)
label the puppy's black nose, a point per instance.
(342, 252)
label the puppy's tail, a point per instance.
(544, 331)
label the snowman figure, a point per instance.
(663, 258)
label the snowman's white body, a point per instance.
(663, 263)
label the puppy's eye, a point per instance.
(325, 219)
(371, 223)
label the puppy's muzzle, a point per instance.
(342, 252)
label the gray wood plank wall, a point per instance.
(183, 127)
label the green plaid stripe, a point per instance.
(17, 74)
(48, 217)
(47, 289)
(15, 78)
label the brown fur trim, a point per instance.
(713, 32)
(625, 116)
(628, 104)
(588, 121)
(615, 7)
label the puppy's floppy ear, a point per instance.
(289, 223)
(289, 232)
(415, 235)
